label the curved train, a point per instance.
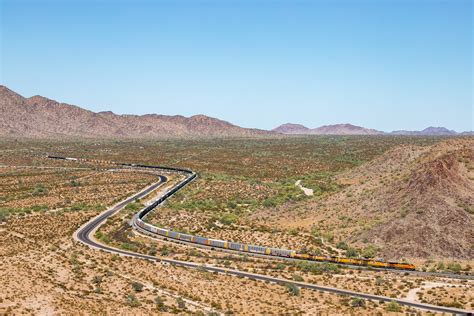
(276, 252)
(138, 220)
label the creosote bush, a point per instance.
(393, 307)
(137, 286)
(292, 289)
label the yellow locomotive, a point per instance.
(356, 261)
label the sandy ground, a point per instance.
(46, 272)
(411, 296)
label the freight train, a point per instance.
(138, 220)
(276, 252)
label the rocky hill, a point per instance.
(336, 129)
(429, 131)
(410, 202)
(344, 129)
(290, 128)
(40, 117)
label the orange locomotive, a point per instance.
(357, 262)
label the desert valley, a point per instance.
(338, 191)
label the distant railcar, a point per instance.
(282, 252)
(256, 249)
(186, 237)
(162, 231)
(236, 246)
(201, 240)
(218, 243)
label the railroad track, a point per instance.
(85, 234)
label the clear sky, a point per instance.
(387, 64)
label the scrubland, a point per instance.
(245, 192)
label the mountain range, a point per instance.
(40, 117)
(336, 129)
(349, 129)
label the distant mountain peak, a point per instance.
(344, 129)
(437, 130)
(38, 99)
(335, 129)
(106, 113)
(429, 131)
(290, 128)
(7, 93)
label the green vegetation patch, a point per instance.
(6, 212)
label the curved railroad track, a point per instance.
(85, 235)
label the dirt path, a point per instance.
(412, 294)
(307, 192)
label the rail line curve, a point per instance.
(85, 234)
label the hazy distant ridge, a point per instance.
(41, 117)
(349, 129)
(336, 129)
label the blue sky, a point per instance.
(381, 64)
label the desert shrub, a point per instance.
(351, 253)
(132, 301)
(97, 207)
(134, 206)
(369, 252)
(164, 251)
(315, 232)
(329, 237)
(469, 209)
(5, 212)
(181, 303)
(232, 204)
(97, 279)
(74, 259)
(440, 266)
(269, 203)
(378, 281)
(292, 289)
(3, 216)
(455, 267)
(152, 251)
(393, 307)
(78, 206)
(293, 232)
(298, 278)
(75, 183)
(357, 302)
(137, 286)
(342, 245)
(228, 219)
(102, 237)
(39, 208)
(128, 246)
(280, 266)
(115, 258)
(403, 212)
(160, 304)
(318, 241)
(453, 304)
(39, 190)
(318, 268)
